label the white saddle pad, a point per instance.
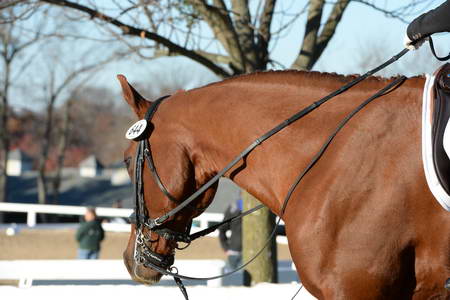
(427, 149)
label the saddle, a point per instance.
(436, 134)
(440, 122)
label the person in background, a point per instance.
(89, 235)
(433, 21)
(230, 235)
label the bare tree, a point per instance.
(240, 32)
(314, 40)
(64, 132)
(53, 89)
(13, 43)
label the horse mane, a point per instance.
(292, 76)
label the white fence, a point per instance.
(201, 222)
(33, 209)
(114, 270)
(28, 270)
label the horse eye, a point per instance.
(127, 162)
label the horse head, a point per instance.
(151, 248)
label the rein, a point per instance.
(444, 58)
(152, 223)
(162, 263)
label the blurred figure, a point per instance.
(230, 235)
(89, 235)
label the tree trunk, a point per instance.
(3, 190)
(4, 141)
(42, 180)
(257, 228)
(306, 58)
(42, 187)
(61, 152)
(314, 43)
(4, 136)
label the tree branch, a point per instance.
(245, 34)
(314, 44)
(220, 23)
(131, 30)
(9, 3)
(264, 33)
(217, 58)
(29, 10)
(304, 60)
(330, 27)
(388, 13)
(73, 75)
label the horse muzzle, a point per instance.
(140, 273)
(144, 265)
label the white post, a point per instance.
(214, 283)
(31, 218)
(204, 223)
(217, 269)
(25, 283)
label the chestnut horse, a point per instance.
(362, 224)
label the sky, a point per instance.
(361, 31)
(364, 39)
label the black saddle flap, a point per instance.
(441, 116)
(444, 78)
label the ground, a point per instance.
(120, 292)
(61, 244)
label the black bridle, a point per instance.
(162, 263)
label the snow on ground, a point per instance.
(120, 292)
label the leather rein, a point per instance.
(143, 255)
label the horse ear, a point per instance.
(138, 103)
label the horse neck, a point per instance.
(216, 128)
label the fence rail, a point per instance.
(28, 270)
(201, 222)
